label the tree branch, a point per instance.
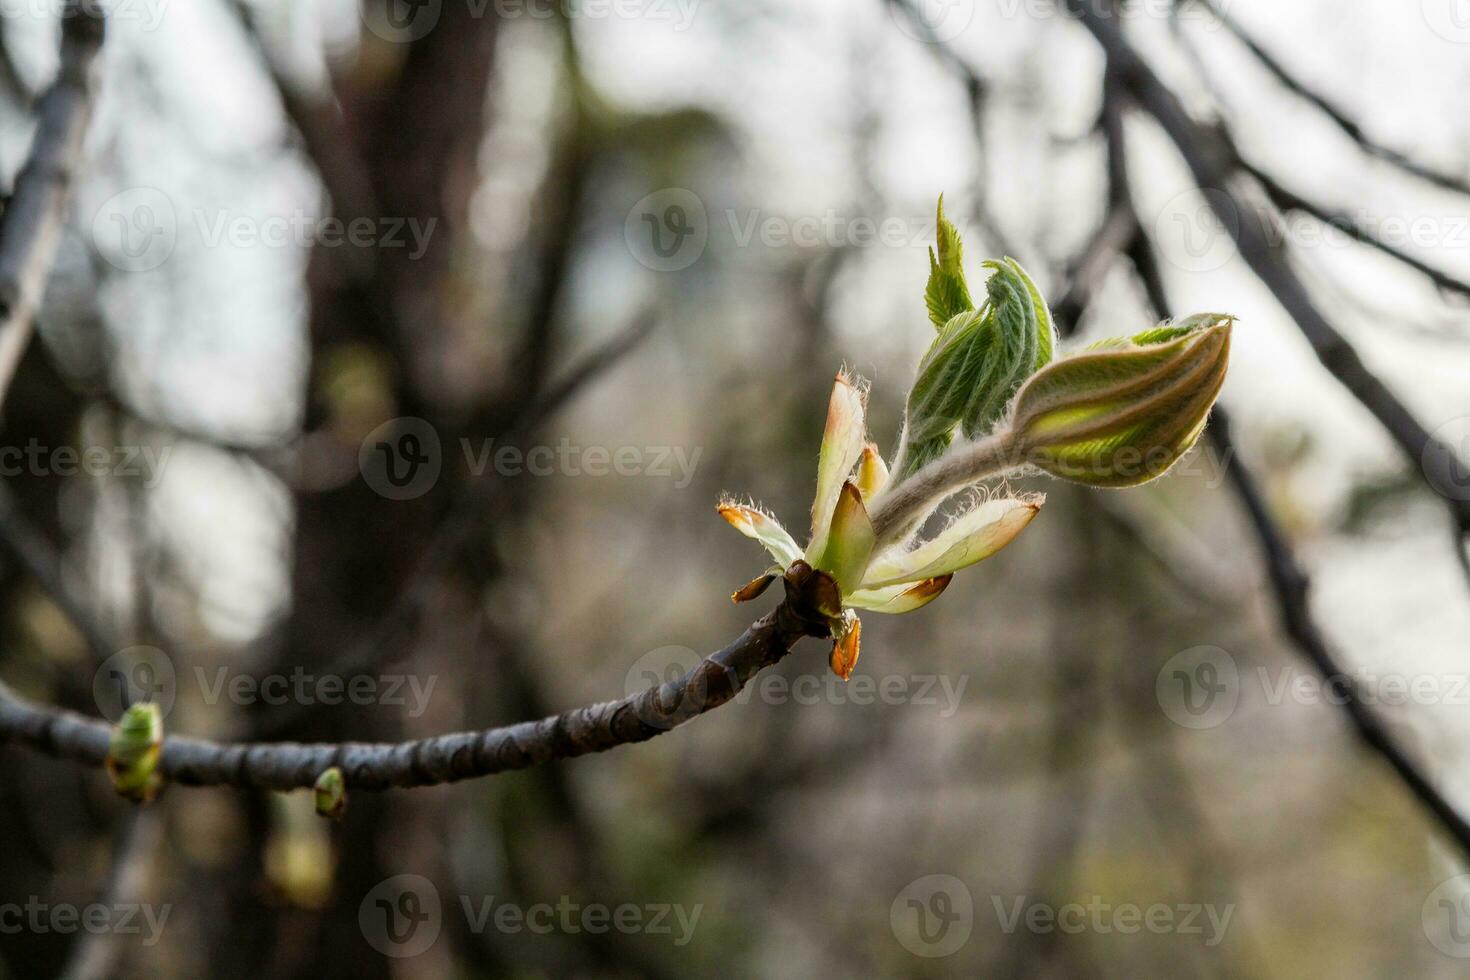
(446, 758)
(1212, 161)
(95, 955)
(1290, 582)
(31, 228)
(1288, 200)
(10, 80)
(27, 545)
(1339, 118)
(318, 121)
(1292, 588)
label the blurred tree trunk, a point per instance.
(414, 116)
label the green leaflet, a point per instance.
(972, 370)
(946, 295)
(936, 402)
(1021, 345)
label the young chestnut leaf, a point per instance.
(1122, 412)
(946, 295)
(969, 375)
(872, 474)
(1022, 343)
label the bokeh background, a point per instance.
(651, 230)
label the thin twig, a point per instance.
(94, 955)
(31, 228)
(1288, 200)
(27, 545)
(318, 120)
(10, 78)
(977, 92)
(446, 758)
(1119, 228)
(1211, 160)
(1291, 587)
(1339, 118)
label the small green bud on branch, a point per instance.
(331, 794)
(132, 757)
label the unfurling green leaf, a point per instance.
(946, 295)
(938, 396)
(971, 372)
(132, 755)
(1122, 412)
(901, 598)
(1022, 344)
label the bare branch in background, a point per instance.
(1119, 228)
(95, 954)
(977, 91)
(1339, 118)
(1292, 594)
(10, 78)
(318, 120)
(1288, 200)
(1288, 578)
(1212, 162)
(1292, 587)
(30, 231)
(27, 546)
